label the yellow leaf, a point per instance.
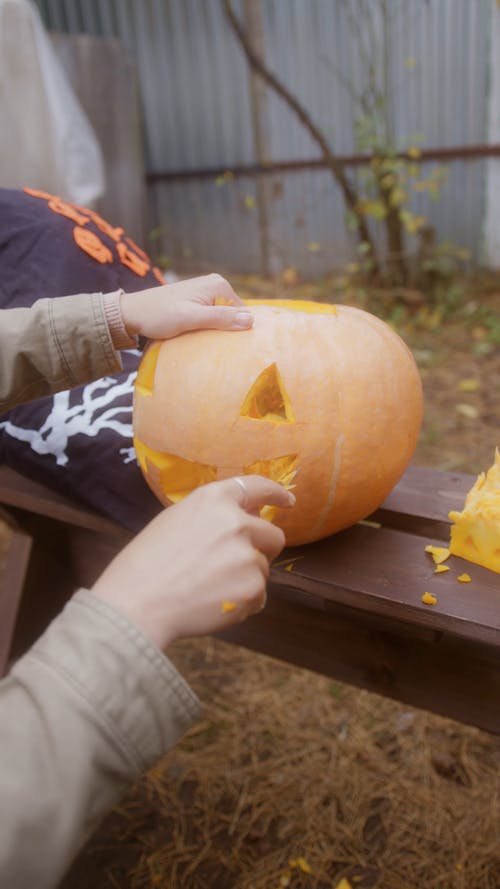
(464, 578)
(429, 599)
(344, 884)
(414, 152)
(397, 196)
(441, 568)
(438, 553)
(468, 385)
(375, 209)
(290, 275)
(301, 864)
(467, 410)
(412, 223)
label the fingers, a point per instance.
(265, 537)
(254, 491)
(259, 600)
(255, 601)
(219, 291)
(217, 317)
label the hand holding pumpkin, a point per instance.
(205, 302)
(200, 565)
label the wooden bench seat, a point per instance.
(349, 606)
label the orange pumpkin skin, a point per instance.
(343, 434)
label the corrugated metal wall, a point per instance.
(196, 102)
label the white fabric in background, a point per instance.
(46, 140)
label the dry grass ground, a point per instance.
(286, 765)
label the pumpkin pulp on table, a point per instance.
(475, 533)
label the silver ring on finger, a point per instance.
(239, 481)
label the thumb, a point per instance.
(222, 318)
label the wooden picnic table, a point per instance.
(349, 606)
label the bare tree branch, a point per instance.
(336, 168)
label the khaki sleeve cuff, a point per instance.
(81, 336)
(112, 310)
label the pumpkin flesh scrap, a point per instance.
(279, 469)
(475, 533)
(438, 553)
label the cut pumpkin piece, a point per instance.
(438, 553)
(475, 533)
(429, 599)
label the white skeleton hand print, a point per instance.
(89, 416)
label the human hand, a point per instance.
(200, 565)
(166, 311)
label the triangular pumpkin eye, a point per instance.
(267, 399)
(177, 477)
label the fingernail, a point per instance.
(292, 498)
(243, 319)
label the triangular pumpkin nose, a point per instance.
(267, 399)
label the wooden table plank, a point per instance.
(23, 493)
(453, 677)
(351, 605)
(428, 493)
(386, 572)
(422, 499)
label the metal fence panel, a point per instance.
(195, 94)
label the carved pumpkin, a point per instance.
(323, 398)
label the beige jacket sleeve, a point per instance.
(91, 706)
(56, 344)
(93, 703)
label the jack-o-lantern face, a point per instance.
(320, 398)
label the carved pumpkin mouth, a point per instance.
(178, 476)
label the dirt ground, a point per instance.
(292, 779)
